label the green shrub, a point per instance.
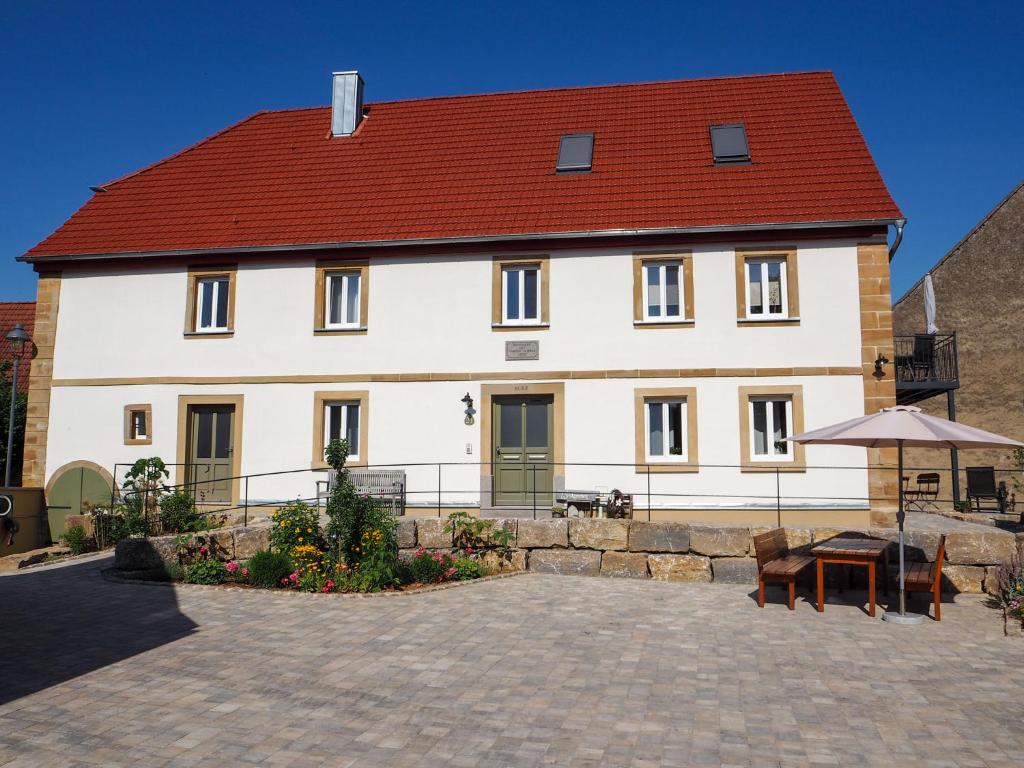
(467, 568)
(429, 567)
(77, 539)
(178, 513)
(295, 524)
(205, 570)
(268, 567)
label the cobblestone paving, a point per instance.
(528, 671)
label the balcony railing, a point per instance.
(926, 365)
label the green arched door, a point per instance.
(75, 491)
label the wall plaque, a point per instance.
(522, 350)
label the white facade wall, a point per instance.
(433, 314)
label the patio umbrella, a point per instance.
(904, 425)
(929, 305)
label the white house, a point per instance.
(644, 287)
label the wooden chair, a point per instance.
(775, 563)
(927, 577)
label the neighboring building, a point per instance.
(979, 296)
(13, 313)
(669, 277)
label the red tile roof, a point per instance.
(478, 166)
(12, 313)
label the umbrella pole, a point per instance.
(902, 617)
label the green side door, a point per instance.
(211, 452)
(522, 439)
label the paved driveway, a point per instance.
(532, 670)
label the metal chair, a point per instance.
(981, 485)
(925, 495)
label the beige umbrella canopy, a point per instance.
(904, 425)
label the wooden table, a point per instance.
(866, 552)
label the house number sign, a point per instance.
(522, 350)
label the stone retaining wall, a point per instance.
(666, 551)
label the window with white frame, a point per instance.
(138, 428)
(663, 298)
(212, 303)
(342, 300)
(767, 292)
(341, 422)
(771, 422)
(666, 429)
(520, 294)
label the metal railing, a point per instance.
(926, 360)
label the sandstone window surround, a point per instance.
(210, 302)
(663, 289)
(665, 429)
(341, 415)
(520, 291)
(341, 297)
(768, 414)
(767, 287)
(138, 424)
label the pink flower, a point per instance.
(203, 550)
(284, 580)
(232, 566)
(328, 586)
(245, 572)
(450, 572)
(469, 550)
(420, 551)
(294, 577)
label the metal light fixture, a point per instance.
(468, 402)
(19, 339)
(880, 361)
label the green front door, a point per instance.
(522, 450)
(211, 452)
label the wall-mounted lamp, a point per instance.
(880, 361)
(468, 402)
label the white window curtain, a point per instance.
(767, 292)
(341, 422)
(666, 430)
(771, 422)
(662, 297)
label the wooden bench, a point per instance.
(774, 563)
(388, 485)
(927, 577)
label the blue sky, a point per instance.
(93, 90)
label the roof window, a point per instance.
(575, 153)
(729, 144)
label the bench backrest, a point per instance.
(928, 483)
(770, 546)
(378, 482)
(981, 481)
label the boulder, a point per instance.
(799, 539)
(632, 565)
(406, 533)
(734, 570)
(566, 562)
(144, 554)
(431, 533)
(719, 541)
(599, 534)
(496, 562)
(963, 578)
(979, 547)
(680, 567)
(506, 524)
(918, 546)
(220, 543)
(538, 534)
(249, 541)
(646, 536)
(991, 581)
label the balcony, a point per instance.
(926, 365)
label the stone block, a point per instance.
(799, 539)
(963, 578)
(220, 543)
(632, 565)
(144, 554)
(719, 541)
(918, 546)
(599, 534)
(496, 562)
(680, 567)
(431, 533)
(979, 547)
(757, 530)
(991, 582)
(406, 533)
(249, 541)
(539, 534)
(506, 524)
(83, 520)
(566, 562)
(734, 570)
(645, 536)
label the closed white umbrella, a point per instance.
(895, 428)
(929, 305)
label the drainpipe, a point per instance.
(900, 224)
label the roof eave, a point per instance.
(441, 241)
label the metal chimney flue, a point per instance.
(346, 103)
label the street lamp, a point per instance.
(19, 339)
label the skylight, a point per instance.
(729, 144)
(575, 152)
